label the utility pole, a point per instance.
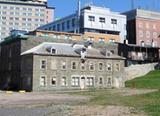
(78, 16)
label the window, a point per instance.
(63, 65)
(75, 81)
(82, 66)
(53, 51)
(117, 67)
(90, 81)
(100, 80)
(109, 66)
(68, 24)
(73, 22)
(64, 81)
(91, 66)
(102, 20)
(142, 43)
(91, 18)
(73, 65)
(53, 81)
(43, 81)
(43, 64)
(101, 40)
(109, 81)
(113, 21)
(111, 40)
(63, 26)
(100, 66)
(58, 27)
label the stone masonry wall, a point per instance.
(134, 71)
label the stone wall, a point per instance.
(134, 71)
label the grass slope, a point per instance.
(149, 81)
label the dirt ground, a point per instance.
(58, 104)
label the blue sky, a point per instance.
(65, 7)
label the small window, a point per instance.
(117, 67)
(63, 65)
(90, 81)
(53, 51)
(73, 65)
(82, 66)
(100, 66)
(53, 81)
(91, 66)
(102, 20)
(43, 81)
(64, 81)
(68, 24)
(101, 40)
(109, 66)
(75, 81)
(109, 81)
(113, 21)
(91, 18)
(43, 64)
(100, 80)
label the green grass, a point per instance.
(150, 103)
(149, 81)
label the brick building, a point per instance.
(143, 27)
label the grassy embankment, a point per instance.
(150, 103)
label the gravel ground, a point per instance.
(51, 104)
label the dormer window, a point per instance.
(53, 51)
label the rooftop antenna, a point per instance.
(132, 4)
(78, 16)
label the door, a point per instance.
(82, 83)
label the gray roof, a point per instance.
(64, 49)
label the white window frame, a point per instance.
(75, 65)
(88, 82)
(45, 84)
(75, 83)
(90, 65)
(41, 64)
(62, 81)
(108, 67)
(52, 80)
(99, 66)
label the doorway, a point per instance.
(82, 83)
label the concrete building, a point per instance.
(23, 15)
(143, 27)
(96, 23)
(28, 63)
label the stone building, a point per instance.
(59, 66)
(20, 64)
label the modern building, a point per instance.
(143, 27)
(96, 23)
(23, 15)
(31, 63)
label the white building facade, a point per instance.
(92, 19)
